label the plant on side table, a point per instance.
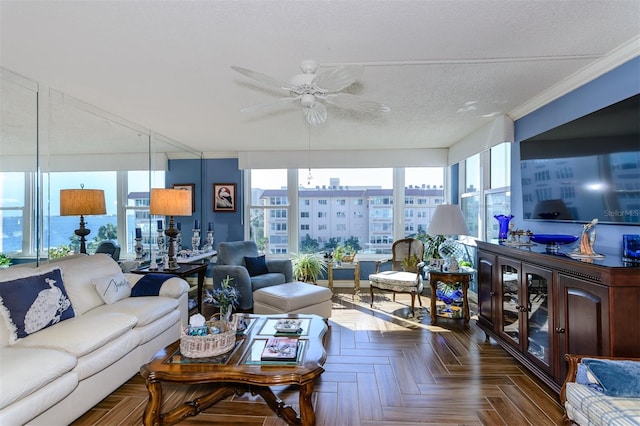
(307, 267)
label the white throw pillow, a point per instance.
(112, 288)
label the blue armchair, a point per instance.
(250, 271)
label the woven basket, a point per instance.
(211, 344)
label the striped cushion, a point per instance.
(590, 407)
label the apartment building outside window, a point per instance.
(348, 205)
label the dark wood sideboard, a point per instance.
(539, 306)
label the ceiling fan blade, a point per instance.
(316, 113)
(338, 78)
(262, 78)
(268, 105)
(357, 103)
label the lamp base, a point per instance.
(172, 233)
(450, 248)
(82, 232)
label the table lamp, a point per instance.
(448, 220)
(170, 202)
(82, 202)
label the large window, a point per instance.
(354, 207)
(58, 237)
(14, 218)
(486, 194)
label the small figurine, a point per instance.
(587, 241)
(588, 238)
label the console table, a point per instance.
(540, 306)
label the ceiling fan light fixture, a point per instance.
(308, 100)
(309, 66)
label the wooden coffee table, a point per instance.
(240, 371)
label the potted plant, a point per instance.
(225, 297)
(5, 261)
(339, 253)
(307, 267)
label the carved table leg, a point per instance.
(151, 416)
(465, 303)
(434, 318)
(307, 415)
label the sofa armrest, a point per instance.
(241, 281)
(174, 287)
(283, 266)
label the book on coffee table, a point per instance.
(280, 349)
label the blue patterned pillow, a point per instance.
(618, 378)
(33, 303)
(256, 265)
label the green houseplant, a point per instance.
(307, 267)
(5, 261)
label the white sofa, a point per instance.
(56, 374)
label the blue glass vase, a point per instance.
(503, 221)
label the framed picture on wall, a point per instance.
(191, 187)
(224, 197)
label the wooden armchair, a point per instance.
(405, 275)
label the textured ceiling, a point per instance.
(445, 68)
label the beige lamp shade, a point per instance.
(448, 220)
(170, 202)
(77, 202)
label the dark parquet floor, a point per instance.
(381, 369)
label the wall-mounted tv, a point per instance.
(585, 169)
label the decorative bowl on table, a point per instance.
(553, 241)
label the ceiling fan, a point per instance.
(313, 90)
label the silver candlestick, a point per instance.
(195, 241)
(178, 242)
(139, 249)
(209, 246)
(160, 241)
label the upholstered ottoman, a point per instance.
(293, 298)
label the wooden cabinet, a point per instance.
(486, 265)
(539, 306)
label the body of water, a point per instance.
(62, 228)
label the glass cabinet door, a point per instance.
(538, 282)
(511, 301)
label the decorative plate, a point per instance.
(288, 325)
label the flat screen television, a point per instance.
(586, 169)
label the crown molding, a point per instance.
(612, 60)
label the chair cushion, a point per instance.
(399, 281)
(256, 265)
(23, 370)
(112, 288)
(267, 280)
(585, 403)
(83, 334)
(33, 303)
